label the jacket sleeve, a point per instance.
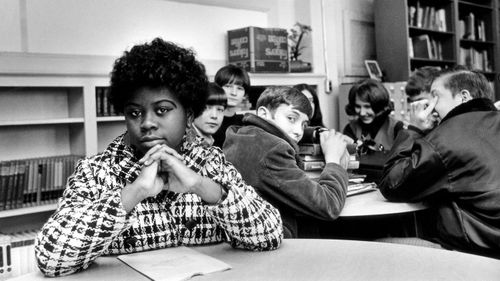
(348, 132)
(414, 170)
(249, 221)
(85, 223)
(286, 183)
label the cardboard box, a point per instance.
(259, 49)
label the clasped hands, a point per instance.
(163, 168)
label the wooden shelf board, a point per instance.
(432, 60)
(429, 31)
(471, 4)
(110, 118)
(476, 42)
(27, 210)
(42, 122)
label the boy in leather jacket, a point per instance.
(455, 165)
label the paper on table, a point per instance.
(358, 188)
(178, 263)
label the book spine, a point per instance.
(312, 165)
(5, 257)
(4, 176)
(251, 36)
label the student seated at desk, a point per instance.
(310, 93)
(236, 83)
(210, 119)
(265, 151)
(418, 90)
(154, 187)
(370, 106)
(455, 165)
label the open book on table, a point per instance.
(177, 263)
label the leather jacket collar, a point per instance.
(479, 104)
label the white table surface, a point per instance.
(309, 259)
(374, 204)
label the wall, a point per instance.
(350, 39)
(94, 32)
(107, 28)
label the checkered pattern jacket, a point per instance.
(90, 220)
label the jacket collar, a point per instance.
(252, 119)
(479, 104)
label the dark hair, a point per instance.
(216, 95)
(232, 74)
(160, 64)
(371, 91)
(421, 80)
(473, 81)
(274, 96)
(317, 118)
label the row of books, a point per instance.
(17, 254)
(33, 182)
(103, 106)
(427, 17)
(425, 47)
(475, 59)
(472, 29)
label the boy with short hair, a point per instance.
(455, 166)
(265, 151)
(211, 118)
(418, 91)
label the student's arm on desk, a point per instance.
(85, 223)
(249, 221)
(413, 171)
(286, 183)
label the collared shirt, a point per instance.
(208, 139)
(90, 220)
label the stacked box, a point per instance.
(259, 49)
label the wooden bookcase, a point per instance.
(50, 111)
(402, 36)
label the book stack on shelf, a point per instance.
(425, 47)
(17, 254)
(470, 29)
(34, 182)
(103, 106)
(427, 17)
(474, 50)
(411, 34)
(475, 59)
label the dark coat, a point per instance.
(267, 159)
(456, 166)
(384, 130)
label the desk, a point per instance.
(369, 216)
(305, 259)
(373, 203)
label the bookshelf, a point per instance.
(53, 111)
(444, 33)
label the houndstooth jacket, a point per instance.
(90, 220)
